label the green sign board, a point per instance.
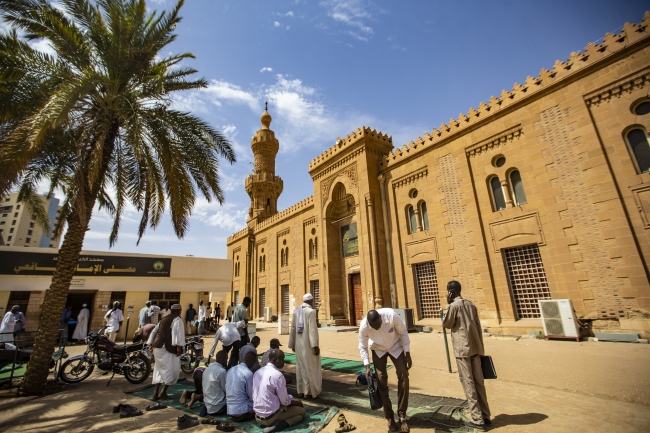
(350, 240)
(28, 263)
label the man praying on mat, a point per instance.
(197, 393)
(239, 389)
(275, 344)
(250, 348)
(273, 405)
(214, 387)
(230, 339)
(168, 342)
(388, 339)
(303, 340)
(467, 338)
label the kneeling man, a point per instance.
(274, 408)
(239, 389)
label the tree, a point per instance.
(96, 120)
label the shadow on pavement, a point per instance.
(519, 419)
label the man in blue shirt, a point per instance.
(214, 387)
(239, 389)
(63, 325)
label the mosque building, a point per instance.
(540, 193)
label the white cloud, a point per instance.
(289, 14)
(220, 91)
(213, 214)
(99, 235)
(276, 24)
(352, 13)
(266, 69)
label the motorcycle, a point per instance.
(193, 354)
(126, 359)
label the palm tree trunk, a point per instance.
(56, 296)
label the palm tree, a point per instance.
(96, 121)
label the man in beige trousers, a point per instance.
(466, 336)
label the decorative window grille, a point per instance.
(262, 301)
(170, 297)
(527, 279)
(427, 286)
(285, 299)
(314, 289)
(119, 297)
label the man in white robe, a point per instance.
(168, 341)
(303, 340)
(81, 330)
(8, 324)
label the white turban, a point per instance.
(307, 297)
(84, 305)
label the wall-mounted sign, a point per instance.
(77, 283)
(130, 309)
(350, 240)
(28, 263)
(104, 307)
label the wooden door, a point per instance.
(357, 298)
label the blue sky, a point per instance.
(328, 67)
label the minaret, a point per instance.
(263, 186)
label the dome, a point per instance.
(266, 118)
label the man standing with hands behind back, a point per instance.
(466, 336)
(388, 338)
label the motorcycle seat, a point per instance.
(120, 348)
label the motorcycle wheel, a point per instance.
(76, 370)
(140, 371)
(188, 368)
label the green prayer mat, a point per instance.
(19, 371)
(334, 364)
(317, 416)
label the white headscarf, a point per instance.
(301, 321)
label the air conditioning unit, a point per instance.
(406, 314)
(268, 313)
(558, 319)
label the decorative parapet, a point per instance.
(411, 177)
(342, 144)
(236, 236)
(298, 207)
(593, 53)
(497, 140)
(632, 82)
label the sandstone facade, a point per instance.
(541, 193)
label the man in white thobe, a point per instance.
(8, 324)
(114, 319)
(168, 341)
(202, 312)
(81, 330)
(303, 340)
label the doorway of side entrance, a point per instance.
(356, 300)
(77, 299)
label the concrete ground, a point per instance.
(557, 386)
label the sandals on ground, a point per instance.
(211, 421)
(226, 426)
(157, 405)
(122, 408)
(344, 425)
(131, 413)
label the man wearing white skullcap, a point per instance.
(168, 341)
(303, 340)
(81, 330)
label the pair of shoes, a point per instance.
(122, 408)
(226, 426)
(403, 426)
(131, 413)
(278, 426)
(157, 405)
(186, 421)
(475, 426)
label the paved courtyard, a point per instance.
(543, 386)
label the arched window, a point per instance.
(286, 256)
(637, 140)
(424, 217)
(518, 194)
(496, 192)
(411, 219)
(263, 263)
(315, 248)
(260, 267)
(311, 249)
(282, 257)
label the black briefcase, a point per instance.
(489, 372)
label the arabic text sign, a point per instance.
(350, 240)
(28, 263)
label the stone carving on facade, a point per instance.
(350, 172)
(500, 139)
(632, 82)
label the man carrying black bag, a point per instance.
(466, 336)
(388, 338)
